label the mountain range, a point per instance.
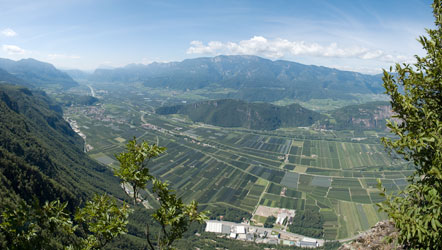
(33, 73)
(249, 78)
(253, 78)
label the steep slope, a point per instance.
(37, 74)
(77, 75)
(362, 116)
(235, 113)
(41, 156)
(254, 78)
(6, 78)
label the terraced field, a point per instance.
(329, 171)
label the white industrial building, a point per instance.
(240, 229)
(217, 227)
(308, 242)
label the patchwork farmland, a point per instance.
(328, 171)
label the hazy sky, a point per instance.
(362, 36)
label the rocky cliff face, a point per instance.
(376, 238)
(362, 116)
(373, 118)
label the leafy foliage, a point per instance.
(133, 164)
(173, 215)
(416, 97)
(270, 221)
(34, 227)
(103, 219)
(50, 226)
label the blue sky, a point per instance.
(362, 36)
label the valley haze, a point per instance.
(271, 115)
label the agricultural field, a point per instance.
(333, 172)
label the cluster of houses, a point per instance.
(258, 234)
(96, 112)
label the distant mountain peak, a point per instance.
(36, 73)
(250, 76)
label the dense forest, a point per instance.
(235, 113)
(307, 222)
(265, 116)
(370, 115)
(228, 214)
(41, 157)
(74, 99)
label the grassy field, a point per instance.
(295, 168)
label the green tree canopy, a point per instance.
(50, 226)
(104, 219)
(133, 164)
(173, 215)
(416, 98)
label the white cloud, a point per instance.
(146, 61)
(398, 59)
(13, 49)
(9, 32)
(62, 56)
(278, 48)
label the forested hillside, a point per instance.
(235, 113)
(31, 72)
(41, 156)
(6, 77)
(265, 116)
(371, 115)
